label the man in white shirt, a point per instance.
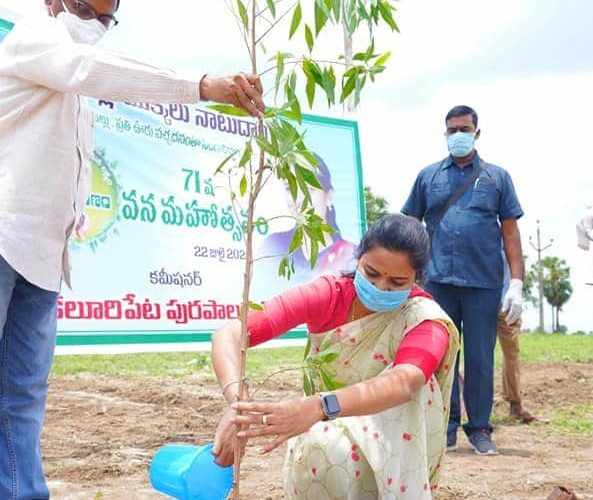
(585, 238)
(46, 66)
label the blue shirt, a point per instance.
(466, 244)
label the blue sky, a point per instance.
(525, 66)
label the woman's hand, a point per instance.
(224, 441)
(282, 420)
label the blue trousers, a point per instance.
(474, 311)
(27, 339)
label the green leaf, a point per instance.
(328, 381)
(297, 16)
(349, 86)
(311, 68)
(224, 162)
(310, 90)
(363, 12)
(386, 11)
(321, 15)
(289, 115)
(292, 81)
(307, 349)
(383, 58)
(329, 357)
(309, 157)
(266, 146)
(279, 71)
(309, 37)
(228, 109)
(304, 187)
(246, 155)
(255, 306)
(352, 71)
(337, 8)
(272, 7)
(350, 17)
(283, 266)
(243, 185)
(307, 384)
(297, 240)
(309, 177)
(360, 83)
(329, 85)
(370, 51)
(243, 14)
(314, 253)
(295, 107)
(275, 145)
(292, 186)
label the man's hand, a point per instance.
(512, 304)
(244, 91)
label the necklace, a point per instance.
(353, 312)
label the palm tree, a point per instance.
(557, 286)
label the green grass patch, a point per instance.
(574, 420)
(535, 348)
(553, 348)
(260, 363)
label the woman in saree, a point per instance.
(377, 377)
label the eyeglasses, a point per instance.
(83, 10)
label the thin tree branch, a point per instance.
(239, 25)
(275, 23)
(267, 257)
(248, 264)
(267, 8)
(324, 61)
(273, 374)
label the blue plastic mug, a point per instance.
(189, 472)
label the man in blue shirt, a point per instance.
(465, 273)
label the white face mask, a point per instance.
(82, 31)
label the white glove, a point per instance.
(512, 303)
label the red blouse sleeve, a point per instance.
(424, 346)
(316, 304)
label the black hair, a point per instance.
(117, 5)
(399, 233)
(458, 111)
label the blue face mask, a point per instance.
(378, 300)
(461, 144)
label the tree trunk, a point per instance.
(348, 62)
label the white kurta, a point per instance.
(46, 136)
(585, 239)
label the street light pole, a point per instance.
(540, 275)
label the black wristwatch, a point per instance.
(330, 405)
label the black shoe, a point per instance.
(482, 443)
(451, 440)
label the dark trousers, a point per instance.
(474, 311)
